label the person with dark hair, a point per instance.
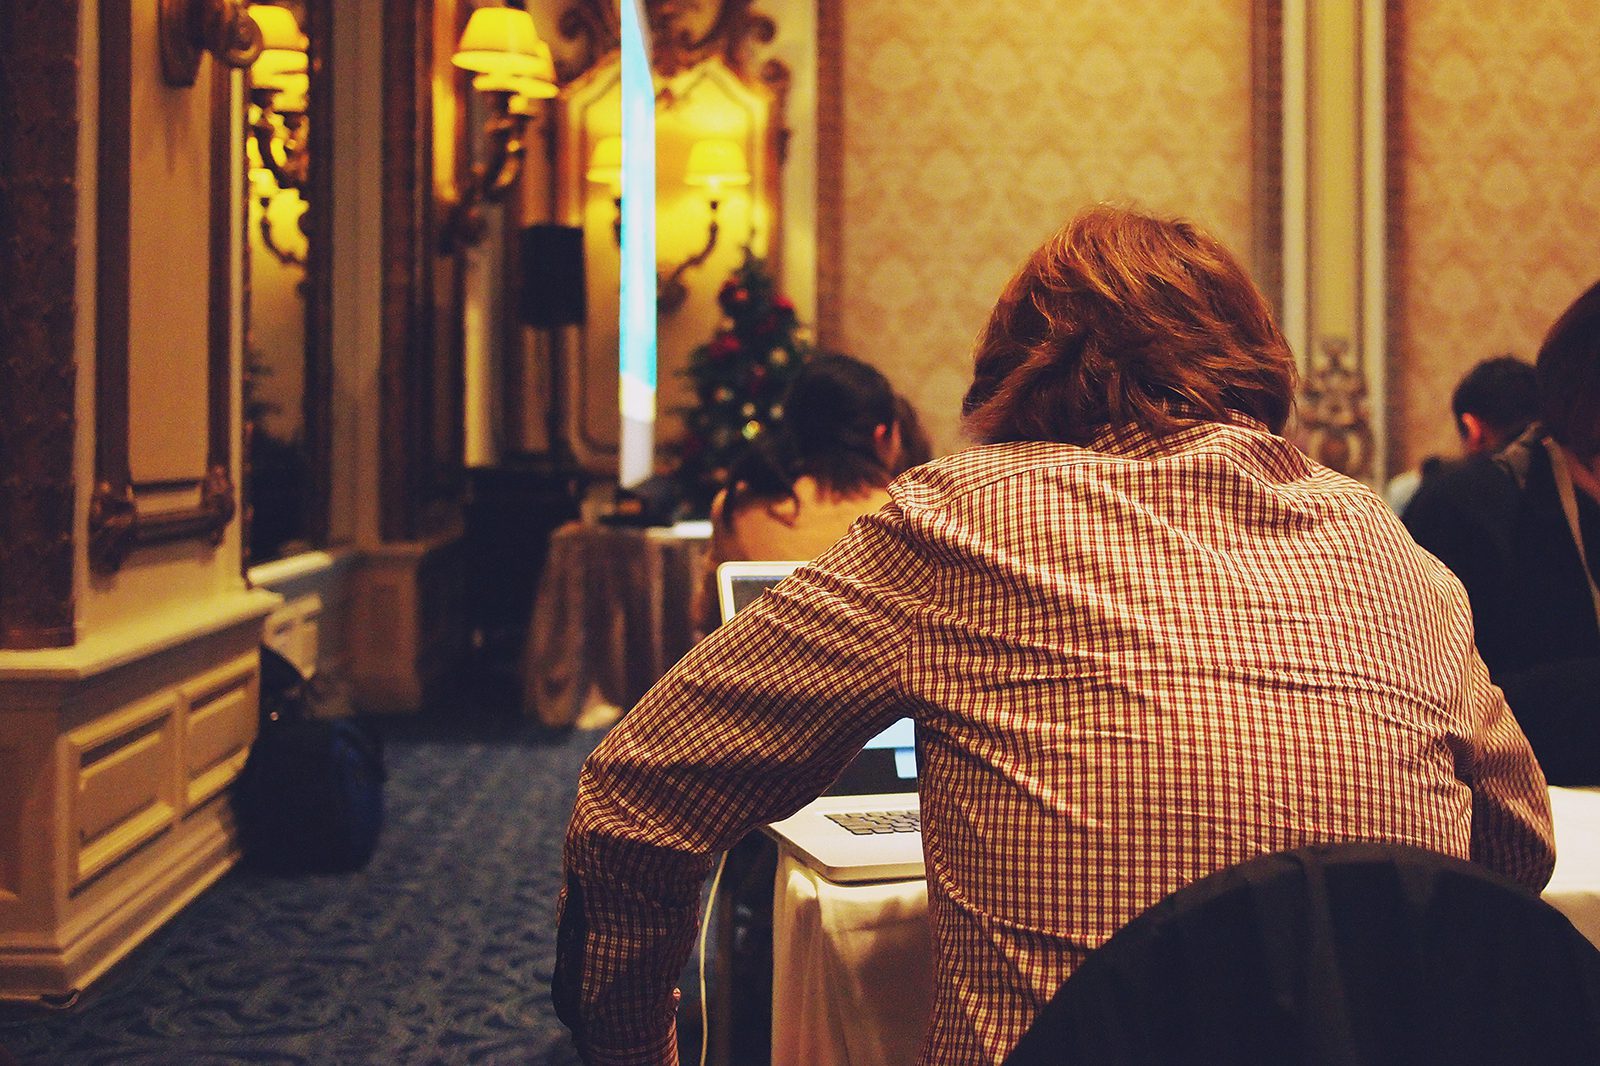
(1492, 404)
(800, 485)
(1143, 638)
(1522, 532)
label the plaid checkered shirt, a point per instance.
(1130, 664)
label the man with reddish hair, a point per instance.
(1143, 638)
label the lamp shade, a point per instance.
(520, 85)
(605, 162)
(283, 46)
(715, 162)
(503, 40)
(293, 93)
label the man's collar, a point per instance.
(1134, 441)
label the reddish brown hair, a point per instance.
(1126, 319)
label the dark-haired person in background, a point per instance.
(1523, 534)
(915, 447)
(796, 490)
(1492, 404)
(1143, 638)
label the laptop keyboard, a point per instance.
(871, 823)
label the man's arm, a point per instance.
(1511, 828)
(751, 725)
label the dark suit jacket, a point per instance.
(1498, 524)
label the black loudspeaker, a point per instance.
(553, 291)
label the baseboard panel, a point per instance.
(118, 925)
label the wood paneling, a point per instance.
(219, 722)
(123, 786)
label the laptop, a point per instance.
(867, 826)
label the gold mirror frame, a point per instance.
(712, 43)
(316, 412)
(119, 520)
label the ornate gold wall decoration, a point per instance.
(597, 27)
(192, 28)
(1500, 196)
(683, 33)
(967, 133)
(1334, 410)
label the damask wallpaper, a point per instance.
(971, 131)
(1500, 193)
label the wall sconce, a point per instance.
(514, 68)
(276, 152)
(188, 29)
(714, 164)
(266, 191)
(279, 88)
(283, 46)
(605, 168)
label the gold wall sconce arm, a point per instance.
(513, 68)
(269, 234)
(671, 291)
(188, 29)
(282, 148)
(714, 163)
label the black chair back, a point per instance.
(1336, 954)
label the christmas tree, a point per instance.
(740, 376)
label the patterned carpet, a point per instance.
(439, 952)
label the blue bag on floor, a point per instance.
(310, 797)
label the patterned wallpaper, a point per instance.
(971, 131)
(1500, 210)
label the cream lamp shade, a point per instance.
(520, 85)
(283, 46)
(715, 162)
(605, 163)
(293, 93)
(503, 40)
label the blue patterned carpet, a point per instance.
(439, 952)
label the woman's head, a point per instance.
(838, 427)
(1123, 319)
(838, 408)
(1568, 371)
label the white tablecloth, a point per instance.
(852, 974)
(1574, 888)
(613, 612)
(853, 964)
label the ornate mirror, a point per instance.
(719, 149)
(286, 364)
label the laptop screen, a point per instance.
(747, 589)
(888, 762)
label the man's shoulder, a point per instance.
(1478, 485)
(1467, 508)
(964, 473)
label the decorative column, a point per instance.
(1336, 226)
